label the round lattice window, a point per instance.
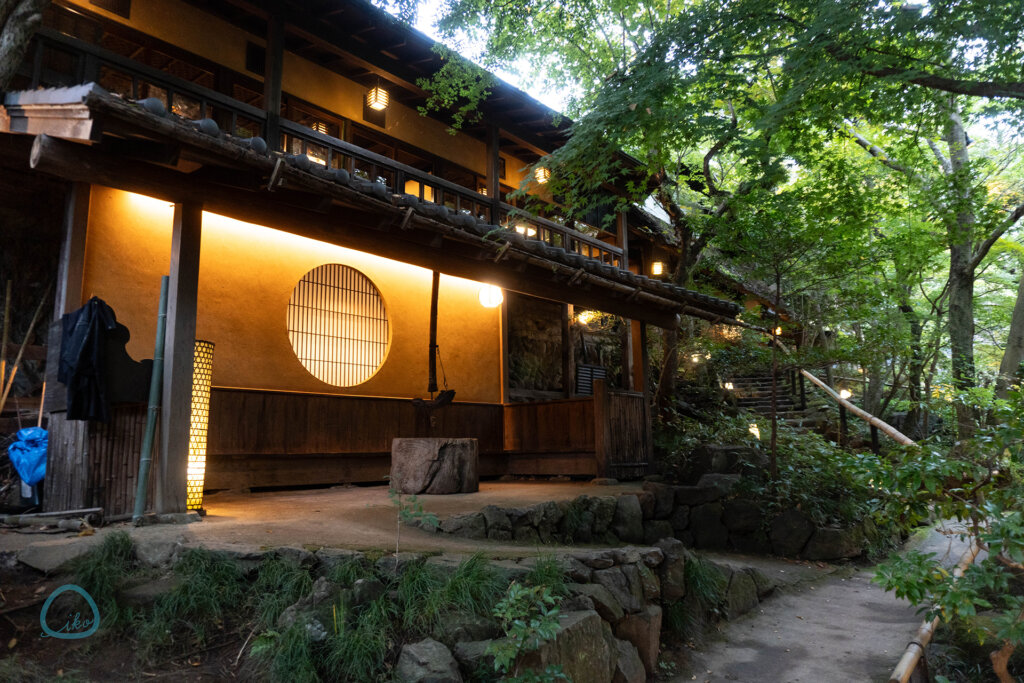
(338, 325)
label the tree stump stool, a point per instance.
(435, 465)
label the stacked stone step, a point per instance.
(754, 393)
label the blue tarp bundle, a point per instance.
(28, 454)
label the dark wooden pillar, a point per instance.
(622, 234)
(645, 386)
(71, 269)
(568, 353)
(179, 349)
(493, 171)
(272, 79)
(602, 437)
(504, 348)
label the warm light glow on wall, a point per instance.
(413, 187)
(491, 296)
(542, 175)
(338, 325)
(755, 430)
(584, 317)
(657, 268)
(202, 378)
(526, 229)
(377, 98)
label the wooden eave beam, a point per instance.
(360, 228)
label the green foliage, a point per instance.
(410, 510)
(280, 582)
(348, 572)
(979, 484)
(210, 586)
(831, 485)
(102, 571)
(529, 616)
(547, 572)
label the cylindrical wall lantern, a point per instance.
(202, 378)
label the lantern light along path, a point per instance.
(202, 378)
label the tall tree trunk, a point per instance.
(1009, 368)
(913, 423)
(960, 234)
(19, 20)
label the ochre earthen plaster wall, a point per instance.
(247, 274)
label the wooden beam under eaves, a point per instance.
(372, 228)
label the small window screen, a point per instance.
(338, 325)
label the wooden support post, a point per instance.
(875, 446)
(179, 351)
(432, 359)
(792, 382)
(645, 386)
(803, 393)
(71, 269)
(842, 425)
(626, 349)
(504, 347)
(493, 167)
(568, 353)
(626, 346)
(272, 76)
(602, 437)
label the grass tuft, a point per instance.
(548, 572)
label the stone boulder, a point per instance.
(673, 569)
(579, 647)
(474, 661)
(496, 520)
(427, 661)
(741, 516)
(434, 465)
(472, 525)
(630, 596)
(628, 667)
(741, 595)
(606, 604)
(657, 529)
(834, 544)
(643, 630)
(664, 498)
(790, 532)
(628, 522)
(706, 526)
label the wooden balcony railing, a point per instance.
(60, 60)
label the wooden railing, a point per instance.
(85, 62)
(133, 80)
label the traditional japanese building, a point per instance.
(343, 253)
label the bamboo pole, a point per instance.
(24, 343)
(5, 336)
(155, 391)
(912, 655)
(42, 400)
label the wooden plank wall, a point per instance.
(91, 464)
(264, 438)
(67, 467)
(114, 450)
(551, 437)
(629, 452)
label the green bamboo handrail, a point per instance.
(155, 387)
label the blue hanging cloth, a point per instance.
(28, 454)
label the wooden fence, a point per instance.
(272, 439)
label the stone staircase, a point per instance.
(754, 393)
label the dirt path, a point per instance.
(826, 627)
(838, 628)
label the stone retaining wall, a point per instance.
(707, 515)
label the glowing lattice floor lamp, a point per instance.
(202, 377)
